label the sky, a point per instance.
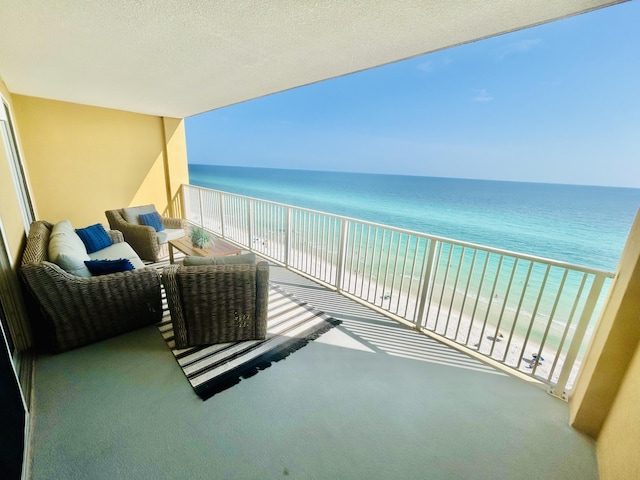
(556, 103)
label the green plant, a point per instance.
(200, 237)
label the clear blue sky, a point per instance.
(556, 103)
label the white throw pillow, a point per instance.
(67, 250)
(131, 214)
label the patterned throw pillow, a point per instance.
(104, 267)
(94, 237)
(153, 220)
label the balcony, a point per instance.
(375, 397)
(370, 399)
(531, 316)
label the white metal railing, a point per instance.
(528, 313)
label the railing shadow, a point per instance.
(373, 330)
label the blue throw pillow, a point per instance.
(94, 237)
(153, 220)
(104, 267)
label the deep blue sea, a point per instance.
(583, 225)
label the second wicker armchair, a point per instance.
(148, 243)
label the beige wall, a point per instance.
(619, 439)
(84, 160)
(176, 167)
(606, 399)
(80, 161)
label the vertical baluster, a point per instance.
(475, 306)
(490, 302)
(402, 272)
(287, 241)
(434, 278)
(455, 288)
(559, 390)
(466, 294)
(426, 282)
(534, 313)
(366, 254)
(549, 323)
(447, 267)
(249, 221)
(567, 326)
(341, 252)
(504, 304)
(386, 271)
(222, 222)
(411, 280)
(517, 314)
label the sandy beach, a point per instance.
(485, 325)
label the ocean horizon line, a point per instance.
(401, 175)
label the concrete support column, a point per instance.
(176, 170)
(613, 346)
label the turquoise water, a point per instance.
(471, 294)
(583, 225)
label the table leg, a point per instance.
(170, 253)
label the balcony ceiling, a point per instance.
(178, 58)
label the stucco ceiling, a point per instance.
(178, 58)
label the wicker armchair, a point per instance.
(217, 303)
(144, 239)
(69, 311)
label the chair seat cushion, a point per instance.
(226, 260)
(169, 234)
(116, 251)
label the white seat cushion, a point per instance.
(116, 251)
(169, 234)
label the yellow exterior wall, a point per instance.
(606, 399)
(84, 160)
(176, 165)
(620, 437)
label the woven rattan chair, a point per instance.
(69, 311)
(217, 303)
(142, 238)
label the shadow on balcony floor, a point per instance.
(370, 399)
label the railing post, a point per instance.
(249, 222)
(426, 282)
(287, 237)
(201, 209)
(560, 389)
(221, 197)
(341, 252)
(183, 203)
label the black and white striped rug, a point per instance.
(291, 324)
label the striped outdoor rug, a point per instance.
(291, 324)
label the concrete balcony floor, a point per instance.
(371, 399)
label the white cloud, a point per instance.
(482, 96)
(518, 47)
(425, 66)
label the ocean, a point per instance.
(474, 297)
(583, 225)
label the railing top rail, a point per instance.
(485, 248)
